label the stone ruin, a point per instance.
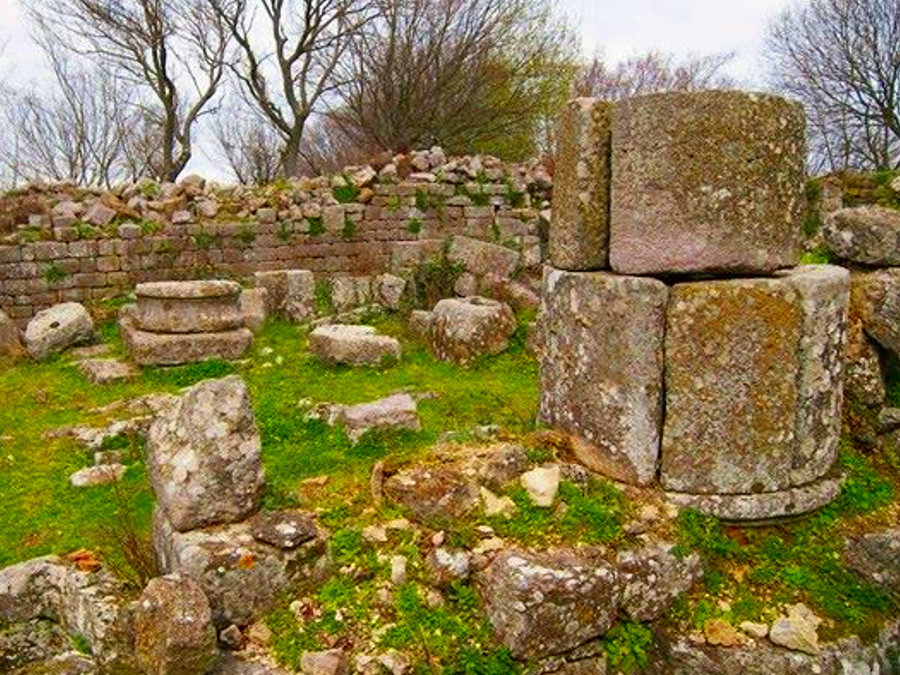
(682, 346)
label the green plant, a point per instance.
(432, 280)
(820, 256)
(285, 231)
(348, 231)
(345, 194)
(149, 227)
(394, 203)
(85, 230)
(205, 240)
(324, 297)
(246, 235)
(516, 197)
(54, 274)
(627, 646)
(150, 190)
(481, 198)
(165, 247)
(81, 644)
(316, 225)
(414, 226)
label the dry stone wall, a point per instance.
(80, 245)
(665, 367)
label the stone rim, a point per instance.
(206, 288)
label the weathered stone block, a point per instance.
(169, 349)
(480, 257)
(352, 345)
(706, 182)
(399, 411)
(58, 328)
(253, 307)
(204, 458)
(867, 234)
(289, 292)
(9, 336)
(602, 368)
(754, 381)
(875, 301)
(579, 231)
(206, 306)
(462, 329)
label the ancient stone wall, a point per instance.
(81, 245)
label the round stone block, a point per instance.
(706, 182)
(207, 306)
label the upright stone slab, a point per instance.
(753, 381)
(602, 368)
(579, 231)
(706, 182)
(876, 302)
(205, 306)
(289, 292)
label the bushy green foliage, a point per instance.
(348, 231)
(345, 194)
(316, 225)
(432, 280)
(54, 274)
(820, 256)
(246, 235)
(205, 240)
(414, 226)
(323, 297)
(627, 646)
(285, 232)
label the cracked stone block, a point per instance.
(602, 368)
(754, 371)
(706, 182)
(171, 349)
(206, 306)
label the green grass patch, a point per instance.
(345, 194)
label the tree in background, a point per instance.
(841, 58)
(651, 73)
(171, 50)
(249, 144)
(470, 75)
(288, 65)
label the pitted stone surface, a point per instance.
(550, 602)
(579, 231)
(869, 235)
(876, 302)
(652, 577)
(10, 343)
(462, 329)
(753, 381)
(203, 457)
(432, 492)
(283, 529)
(706, 182)
(171, 349)
(291, 293)
(352, 345)
(399, 411)
(207, 306)
(602, 368)
(480, 257)
(253, 307)
(863, 380)
(58, 328)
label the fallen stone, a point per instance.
(106, 371)
(99, 214)
(102, 474)
(171, 349)
(90, 352)
(389, 291)
(399, 411)
(496, 465)
(283, 529)
(56, 329)
(797, 630)
(602, 369)
(863, 380)
(479, 257)
(463, 329)
(706, 181)
(869, 235)
(720, 632)
(174, 634)
(550, 602)
(652, 577)
(291, 293)
(542, 484)
(432, 492)
(398, 570)
(331, 662)
(419, 324)
(30, 642)
(579, 230)
(10, 344)
(352, 345)
(759, 631)
(204, 458)
(497, 506)
(449, 565)
(253, 307)
(876, 558)
(889, 419)
(875, 301)
(206, 306)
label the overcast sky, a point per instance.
(616, 28)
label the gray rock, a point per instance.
(174, 634)
(253, 307)
(602, 368)
(548, 603)
(9, 336)
(480, 258)
(496, 465)
(875, 300)
(58, 328)
(106, 371)
(652, 577)
(399, 411)
(419, 324)
(542, 484)
(863, 380)
(99, 214)
(291, 293)
(283, 529)
(865, 234)
(432, 492)
(706, 181)
(449, 565)
(102, 474)
(205, 306)
(352, 345)
(579, 230)
(171, 349)
(29, 642)
(389, 291)
(330, 662)
(462, 329)
(797, 630)
(203, 456)
(876, 558)
(889, 419)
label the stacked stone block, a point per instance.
(177, 322)
(665, 366)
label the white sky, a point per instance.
(616, 28)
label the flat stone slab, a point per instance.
(171, 349)
(102, 474)
(352, 345)
(602, 368)
(753, 380)
(399, 411)
(763, 506)
(207, 306)
(706, 182)
(106, 371)
(579, 230)
(480, 257)
(869, 235)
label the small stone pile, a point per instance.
(176, 322)
(682, 348)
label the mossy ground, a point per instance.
(750, 572)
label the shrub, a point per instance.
(316, 225)
(345, 194)
(348, 231)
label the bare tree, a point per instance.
(460, 73)
(288, 67)
(249, 144)
(841, 58)
(651, 73)
(174, 49)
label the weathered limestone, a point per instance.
(462, 329)
(204, 459)
(58, 328)
(106, 371)
(291, 293)
(352, 345)
(399, 411)
(876, 303)
(10, 343)
(706, 182)
(253, 307)
(480, 257)
(753, 381)
(863, 380)
(206, 306)
(432, 492)
(876, 558)
(174, 634)
(601, 368)
(171, 349)
(579, 231)
(652, 577)
(869, 235)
